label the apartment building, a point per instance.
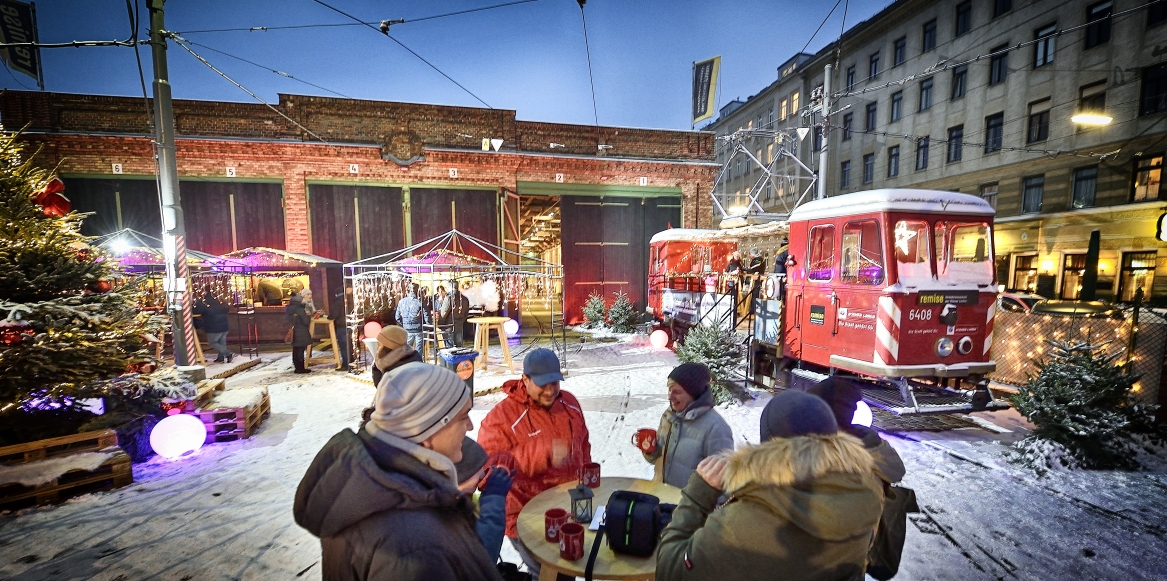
(978, 96)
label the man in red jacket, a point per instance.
(543, 428)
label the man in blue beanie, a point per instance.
(690, 429)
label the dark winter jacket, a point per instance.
(801, 508)
(534, 435)
(455, 308)
(686, 438)
(300, 321)
(394, 359)
(336, 312)
(383, 515)
(887, 461)
(410, 314)
(213, 314)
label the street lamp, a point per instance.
(1098, 119)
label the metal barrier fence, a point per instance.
(1138, 338)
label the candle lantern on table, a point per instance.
(581, 503)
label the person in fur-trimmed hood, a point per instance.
(690, 429)
(803, 504)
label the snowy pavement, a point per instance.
(225, 512)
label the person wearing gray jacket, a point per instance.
(690, 430)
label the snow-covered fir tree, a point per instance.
(622, 314)
(595, 311)
(715, 348)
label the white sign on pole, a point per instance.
(496, 144)
(802, 131)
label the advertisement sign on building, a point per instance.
(705, 88)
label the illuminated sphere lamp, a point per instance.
(659, 338)
(372, 329)
(511, 327)
(178, 435)
(862, 415)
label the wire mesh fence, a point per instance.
(1136, 335)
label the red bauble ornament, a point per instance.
(100, 286)
(52, 202)
(13, 333)
(147, 367)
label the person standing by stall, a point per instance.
(411, 317)
(337, 312)
(301, 331)
(456, 308)
(216, 325)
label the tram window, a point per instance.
(820, 265)
(965, 255)
(911, 240)
(862, 253)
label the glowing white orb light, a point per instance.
(659, 338)
(511, 326)
(372, 329)
(120, 246)
(178, 435)
(862, 414)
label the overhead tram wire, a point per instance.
(269, 69)
(587, 47)
(402, 45)
(345, 24)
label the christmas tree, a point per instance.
(1085, 416)
(622, 314)
(716, 349)
(66, 335)
(595, 311)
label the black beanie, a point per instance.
(796, 413)
(841, 394)
(473, 459)
(694, 377)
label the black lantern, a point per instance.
(581, 503)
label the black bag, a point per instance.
(633, 522)
(511, 572)
(883, 560)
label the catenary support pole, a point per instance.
(822, 185)
(173, 228)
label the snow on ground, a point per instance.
(225, 512)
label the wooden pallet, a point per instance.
(231, 424)
(115, 472)
(62, 446)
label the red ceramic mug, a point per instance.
(645, 439)
(589, 475)
(571, 541)
(553, 521)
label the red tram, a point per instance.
(895, 285)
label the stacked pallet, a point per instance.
(52, 470)
(234, 414)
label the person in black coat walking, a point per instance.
(301, 330)
(215, 324)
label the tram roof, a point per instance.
(892, 200)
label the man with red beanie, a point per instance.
(543, 428)
(690, 430)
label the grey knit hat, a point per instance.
(416, 400)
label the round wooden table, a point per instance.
(482, 327)
(609, 565)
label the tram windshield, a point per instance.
(966, 255)
(911, 245)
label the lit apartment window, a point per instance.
(1098, 27)
(926, 94)
(869, 168)
(922, 153)
(989, 194)
(794, 103)
(955, 143)
(897, 105)
(929, 35)
(873, 66)
(900, 51)
(782, 109)
(1092, 98)
(893, 161)
(998, 65)
(770, 153)
(1085, 185)
(871, 108)
(1032, 190)
(1148, 171)
(850, 77)
(1001, 6)
(994, 126)
(1038, 121)
(845, 175)
(847, 122)
(959, 81)
(1043, 48)
(1153, 95)
(963, 17)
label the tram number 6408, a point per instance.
(920, 314)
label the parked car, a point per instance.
(1017, 302)
(1061, 308)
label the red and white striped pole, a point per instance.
(188, 337)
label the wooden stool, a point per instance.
(329, 341)
(159, 344)
(482, 327)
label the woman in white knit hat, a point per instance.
(385, 502)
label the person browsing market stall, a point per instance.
(690, 429)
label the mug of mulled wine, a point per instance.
(553, 521)
(571, 537)
(645, 439)
(589, 475)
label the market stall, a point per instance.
(274, 276)
(504, 283)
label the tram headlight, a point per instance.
(944, 347)
(964, 346)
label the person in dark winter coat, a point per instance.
(456, 309)
(495, 483)
(216, 325)
(802, 505)
(337, 312)
(385, 502)
(301, 331)
(393, 351)
(411, 317)
(690, 430)
(781, 257)
(843, 396)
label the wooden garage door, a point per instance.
(225, 216)
(434, 212)
(116, 204)
(354, 222)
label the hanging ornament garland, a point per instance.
(53, 203)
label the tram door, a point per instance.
(819, 301)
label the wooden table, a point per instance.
(482, 327)
(608, 564)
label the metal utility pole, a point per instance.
(822, 191)
(173, 227)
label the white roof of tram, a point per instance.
(892, 200)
